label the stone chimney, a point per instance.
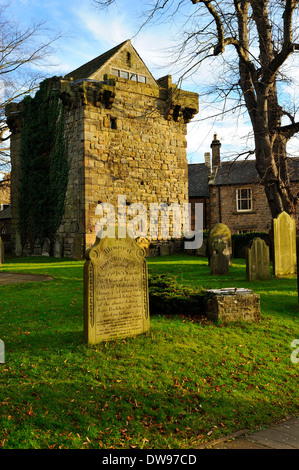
(215, 146)
(208, 160)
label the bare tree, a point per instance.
(22, 51)
(262, 36)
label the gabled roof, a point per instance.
(237, 172)
(88, 69)
(230, 173)
(198, 180)
(5, 214)
(91, 68)
(244, 172)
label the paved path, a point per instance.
(16, 278)
(284, 435)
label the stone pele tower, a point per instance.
(125, 134)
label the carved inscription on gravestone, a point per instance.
(115, 290)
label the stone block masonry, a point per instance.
(232, 304)
(124, 137)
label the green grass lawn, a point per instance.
(184, 382)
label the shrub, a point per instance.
(241, 240)
(166, 297)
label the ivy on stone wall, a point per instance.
(44, 167)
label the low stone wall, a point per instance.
(232, 304)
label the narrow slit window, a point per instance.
(113, 123)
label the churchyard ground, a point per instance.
(184, 382)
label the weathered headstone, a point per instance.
(164, 250)
(221, 231)
(18, 244)
(297, 246)
(1, 251)
(116, 301)
(145, 244)
(46, 247)
(284, 235)
(257, 260)
(58, 246)
(2, 352)
(78, 247)
(219, 262)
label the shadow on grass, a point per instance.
(39, 343)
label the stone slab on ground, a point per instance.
(284, 435)
(16, 278)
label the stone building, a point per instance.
(232, 193)
(5, 191)
(126, 135)
(5, 212)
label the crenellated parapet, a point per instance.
(181, 105)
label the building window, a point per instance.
(128, 59)
(133, 76)
(113, 123)
(244, 199)
(124, 74)
(128, 75)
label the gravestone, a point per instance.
(257, 260)
(219, 262)
(116, 301)
(221, 231)
(284, 235)
(46, 247)
(297, 250)
(18, 244)
(1, 251)
(164, 250)
(78, 247)
(145, 244)
(58, 246)
(2, 352)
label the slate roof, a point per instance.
(244, 172)
(5, 214)
(198, 180)
(237, 172)
(88, 69)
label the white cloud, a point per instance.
(109, 30)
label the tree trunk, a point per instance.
(271, 165)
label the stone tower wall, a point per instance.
(123, 138)
(134, 151)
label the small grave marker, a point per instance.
(219, 262)
(257, 260)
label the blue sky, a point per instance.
(88, 32)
